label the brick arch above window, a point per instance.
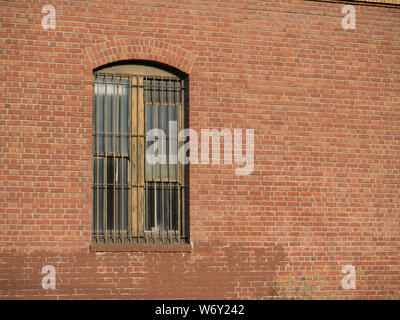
(140, 49)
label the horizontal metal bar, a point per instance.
(111, 133)
(129, 185)
(99, 134)
(110, 155)
(129, 76)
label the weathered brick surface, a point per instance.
(324, 104)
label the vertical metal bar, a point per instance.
(182, 168)
(155, 233)
(161, 92)
(179, 115)
(125, 182)
(114, 161)
(95, 174)
(169, 165)
(105, 208)
(137, 160)
(140, 164)
(155, 165)
(133, 211)
(147, 185)
(183, 213)
(121, 151)
(94, 158)
(98, 167)
(129, 146)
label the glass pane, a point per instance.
(148, 92)
(95, 212)
(110, 143)
(164, 97)
(166, 207)
(161, 206)
(118, 205)
(100, 99)
(116, 190)
(125, 96)
(95, 109)
(98, 143)
(125, 141)
(174, 206)
(121, 170)
(118, 170)
(157, 92)
(125, 121)
(117, 118)
(111, 102)
(98, 170)
(100, 195)
(160, 120)
(110, 118)
(157, 169)
(173, 167)
(110, 208)
(122, 117)
(164, 127)
(149, 205)
(126, 202)
(126, 171)
(179, 92)
(95, 173)
(149, 124)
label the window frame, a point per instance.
(136, 231)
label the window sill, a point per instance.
(95, 247)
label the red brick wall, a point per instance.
(324, 104)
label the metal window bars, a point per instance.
(135, 201)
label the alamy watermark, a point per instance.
(49, 20)
(349, 280)
(49, 280)
(349, 20)
(233, 150)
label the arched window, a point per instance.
(135, 200)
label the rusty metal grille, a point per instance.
(135, 201)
